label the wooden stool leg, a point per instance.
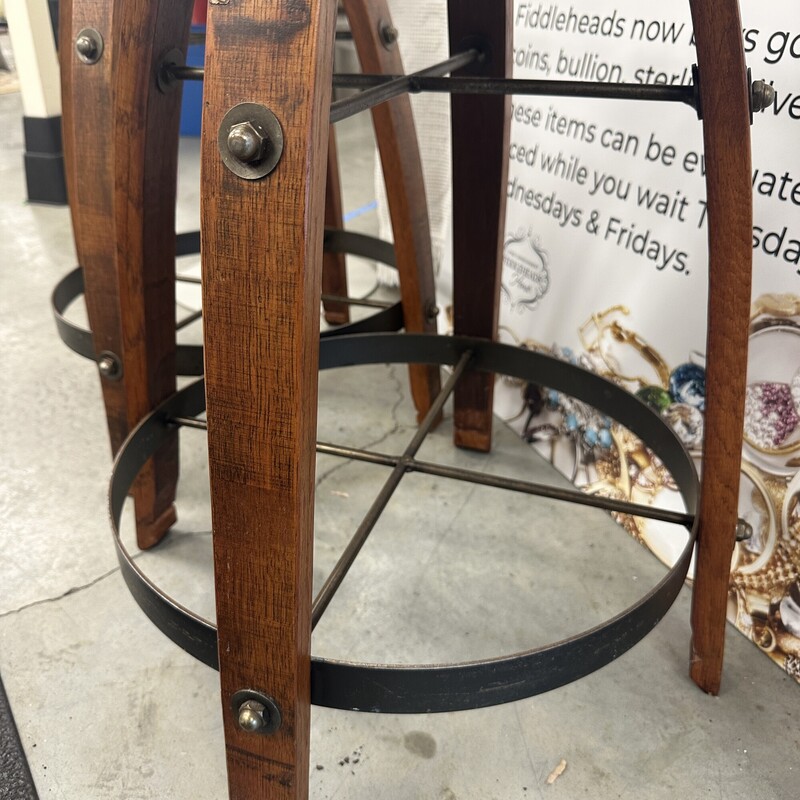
(480, 127)
(334, 268)
(262, 256)
(405, 187)
(120, 145)
(725, 98)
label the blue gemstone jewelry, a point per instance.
(687, 384)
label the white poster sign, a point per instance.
(606, 264)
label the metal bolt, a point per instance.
(389, 34)
(251, 716)
(86, 47)
(247, 143)
(165, 79)
(744, 531)
(762, 95)
(250, 141)
(89, 46)
(431, 312)
(109, 366)
(256, 712)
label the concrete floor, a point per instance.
(109, 708)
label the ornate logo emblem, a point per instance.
(526, 277)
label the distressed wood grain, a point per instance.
(121, 146)
(396, 136)
(724, 93)
(262, 256)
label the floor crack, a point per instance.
(397, 425)
(70, 591)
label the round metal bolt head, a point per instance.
(166, 80)
(247, 143)
(389, 34)
(763, 95)
(85, 47)
(256, 712)
(109, 366)
(250, 141)
(251, 716)
(89, 46)
(744, 531)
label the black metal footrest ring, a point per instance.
(189, 357)
(449, 687)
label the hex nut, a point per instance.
(744, 531)
(247, 143)
(389, 34)
(251, 716)
(86, 47)
(255, 712)
(109, 366)
(89, 46)
(250, 140)
(762, 95)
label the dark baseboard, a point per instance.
(44, 160)
(53, 6)
(44, 175)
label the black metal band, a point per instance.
(433, 688)
(189, 357)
